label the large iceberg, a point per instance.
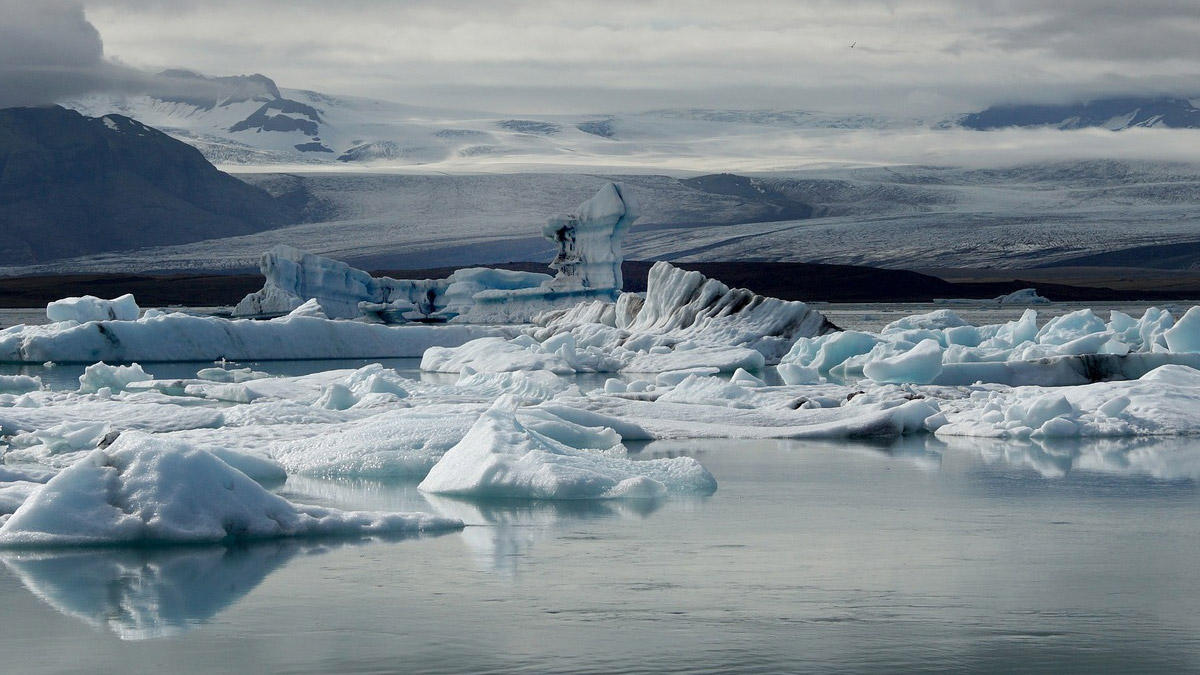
(294, 277)
(175, 336)
(684, 321)
(588, 267)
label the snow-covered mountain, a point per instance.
(249, 121)
(1109, 113)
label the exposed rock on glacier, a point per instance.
(684, 321)
(143, 489)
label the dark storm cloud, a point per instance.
(49, 52)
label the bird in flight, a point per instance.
(853, 43)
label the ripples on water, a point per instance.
(810, 557)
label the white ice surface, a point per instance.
(144, 489)
(502, 458)
(159, 336)
(685, 321)
(91, 308)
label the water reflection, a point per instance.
(146, 593)
(1159, 457)
(500, 533)
(140, 594)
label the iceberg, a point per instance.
(684, 321)
(161, 336)
(588, 266)
(502, 458)
(144, 489)
(588, 263)
(294, 277)
(91, 308)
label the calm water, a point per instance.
(810, 557)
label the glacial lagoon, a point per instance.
(828, 557)
(912, 555)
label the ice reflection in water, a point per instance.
(146, 593)
(149, 593)
(1159, 457)
(499, 534)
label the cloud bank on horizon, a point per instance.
(925, 57)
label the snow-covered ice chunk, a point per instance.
(937, 319)
(159, 337)
(143, 489)
(69, 436)
(1161, 402)
(113, 378)
(229, 375)
(91, 308)
(19, 384)
(1184, 336)
(919, 365)
(1025, 296)
(501, 458)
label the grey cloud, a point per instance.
(1113, 30)
(928, 56)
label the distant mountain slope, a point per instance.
(72, 185)
(1109, 113)
(896, 217)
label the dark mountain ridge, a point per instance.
(72, 185)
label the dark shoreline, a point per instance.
(789, 281)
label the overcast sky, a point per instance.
(926, 57)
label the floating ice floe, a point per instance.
(941, 348)
(684, 321)
(502, 458)
(91, 308)
(143, 489)
(1025, 296)
(160, 336)
(294, 277)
